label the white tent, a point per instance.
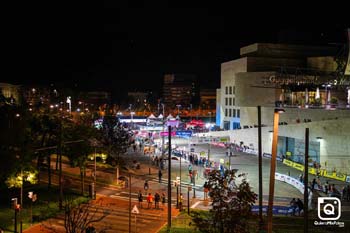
(170, 117)
(152, 116)
(160, 116)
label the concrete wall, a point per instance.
(291, 115)
(250, 90)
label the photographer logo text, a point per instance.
(328, 208)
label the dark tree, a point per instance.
(231, 204)
(115, 138)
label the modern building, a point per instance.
(180, 89)
(302, 80)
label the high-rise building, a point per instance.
(180, 89)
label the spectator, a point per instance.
(301, 178)
(313, 184)
(156, 201)
(149, 200)
(163, 199)
(293, 205)
(300, 206)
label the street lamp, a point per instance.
(273, 167)
(209, 146)
(178, 109)
(260, 167)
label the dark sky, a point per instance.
(121, 46)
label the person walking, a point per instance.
(163, 199)
(140, 198)
(206, 189)
(160, 174)
(156, 200)
(146, 186)
(149, 200)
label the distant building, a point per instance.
(96, 97)
(207, 98)
(10, 93)
(180, 89)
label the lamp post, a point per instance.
(178, 109)
(209, 146)
(306, 181)
(273, 167)
(260, 167)
(169, 179)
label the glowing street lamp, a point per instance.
(69, 102)
(273, 167)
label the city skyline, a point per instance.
(120, 48)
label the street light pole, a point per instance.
(273, 168)
(169, 179)
(209, 146)
(306, 181)
(260, 167)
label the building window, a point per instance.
(226, 101)
(230, 113)
(230, 101)
(230, 90)
(238, 113)
(226, 90)
(225, 112)
(234, 90)
(234, 112)
(233, 101)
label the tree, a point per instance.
(231, 204)
(79, 151)
(115, 137)
(78, 216)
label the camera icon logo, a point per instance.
(328, 208)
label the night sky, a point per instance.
(121, 46)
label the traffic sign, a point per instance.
(135, 210)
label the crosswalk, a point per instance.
(117, 220)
